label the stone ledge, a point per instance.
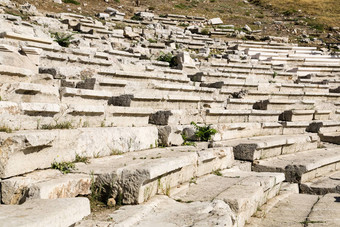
(39, 213)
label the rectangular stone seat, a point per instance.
(231, 116)
(292, 127)
(302, 166)
(40, 108)
(297, 115)
(86, 110)
(12, 35)
(262, 147)
(38, 149)
(15, 71)
(322, 115)
(236, 104)
(127, 116)
(85, 93)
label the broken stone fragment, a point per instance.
(160, 118)
(213, 85)
(88, 83)
(123, 100)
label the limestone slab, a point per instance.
(297, 166)
(57, 212)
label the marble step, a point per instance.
(303, 166)
(301, 210)
(261, 147)
(327, 183)
(43, 212)
(132, 177)
(228, 199)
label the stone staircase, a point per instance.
(118, 121)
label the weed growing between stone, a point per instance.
(64, 167)
(71, 2)
(217, 172)
(6, 129)
(83, 159)
(167, 58)
(204, 133)
(63, 39)
(63, 125)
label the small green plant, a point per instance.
(193, 180)
(136, 17)
(6, 129)
(167, 58)
(83, 159)
(205, 132)
(71, 2)
(63, 125)
(186, 142)
(152, 41)
(274, 74)
(116, 152)
(0, 98)
(217, 172)
(64, 167)
(117, 1)
(205, 31)
(183, 25)
(63, 39)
